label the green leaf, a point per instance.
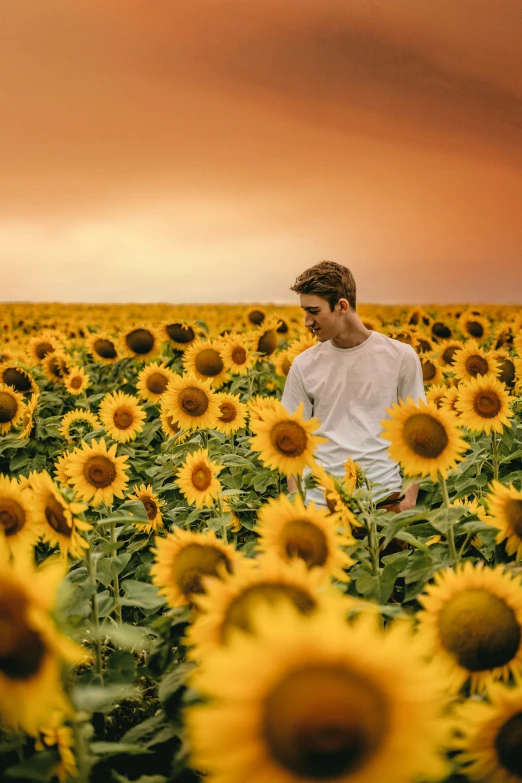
(109, 567)
(130, 637)
(98, 698)
(39, 767)
(122, 663)
(114, 748)
(367, 585)
(141, 594)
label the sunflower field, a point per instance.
(169, 611)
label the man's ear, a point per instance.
(344, 305)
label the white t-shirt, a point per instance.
(348, 390)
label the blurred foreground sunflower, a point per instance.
(318, 707)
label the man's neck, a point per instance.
(353, 334)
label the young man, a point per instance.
(348, 380)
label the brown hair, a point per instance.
(329, 280)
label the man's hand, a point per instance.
(410, 498)
(292, 484)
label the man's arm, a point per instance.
(410, 497)
(411, 384)
(292, 484)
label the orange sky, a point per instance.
(209, 150)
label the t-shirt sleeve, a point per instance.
(295, 393)
(411, 382)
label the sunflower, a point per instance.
(236, 354)
(471, 620)
(446, 351)
(474, 326)
(285, 441)
(265, 340)
(152, 505)
(191, 402)
(55, 734)
(153, 381)
(297, 347)
(60, 467)
(233, 413)
(472, 361)
(259, 407)
(78, 423)
(58, 518)
(183, 558)
(353, 475)
(18, 520)
(290, 530)
(507, 368)
(179, 334)
(31, 649)
(329, 701)
(170, 427)
(431, 372)
(39, 346)
(204, 359)
(505, 509)
(484, 404)
(122, 416)
(255, 316)
(232, 601)
(76, 381)
(282, 363)
(142, 342)
(423, 344)
(56, 366)
(197, 480)
(103, 348)
(449, 401)
(335, 498)
(11, 408)
(424, 440)
(96, 473)
(435, 394)
(27, 421)
(488, 741)
(17, 378)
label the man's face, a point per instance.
(321, 321)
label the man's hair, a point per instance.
(329, 280)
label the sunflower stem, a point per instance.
(494, 454)
(95, 616)
(116, 580)
(450, 536)
(220, 512)
(249, 378)
(300, 487)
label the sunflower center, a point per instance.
(201, 477)
(76, 382)
(256, 317)
(99, 471)
(487, 404)
(268, 342)
(8, 407)
(55, 515)
(180, 333)
(157, 383)
(324, 722)
(440, 330)
(508, 744)
(282, 328)
(105, 349)
(301, 538)
(42, 349)
(17, 379)
(151, 509)
(122, 418)
(140, 341)
(507, 372)
(475, 329)
(244, 606)
(476, 365)
(429, 371)
(12, 516)
(480, 629)
(21, 649)
(448, 354)
(195, 561)
(425, 435)
(289, 438)
(174, 425)
(239, 355)
(513, 514)
(194, 401)
(228, 412)
(286, 365)
(209, 362)
(57, 367)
